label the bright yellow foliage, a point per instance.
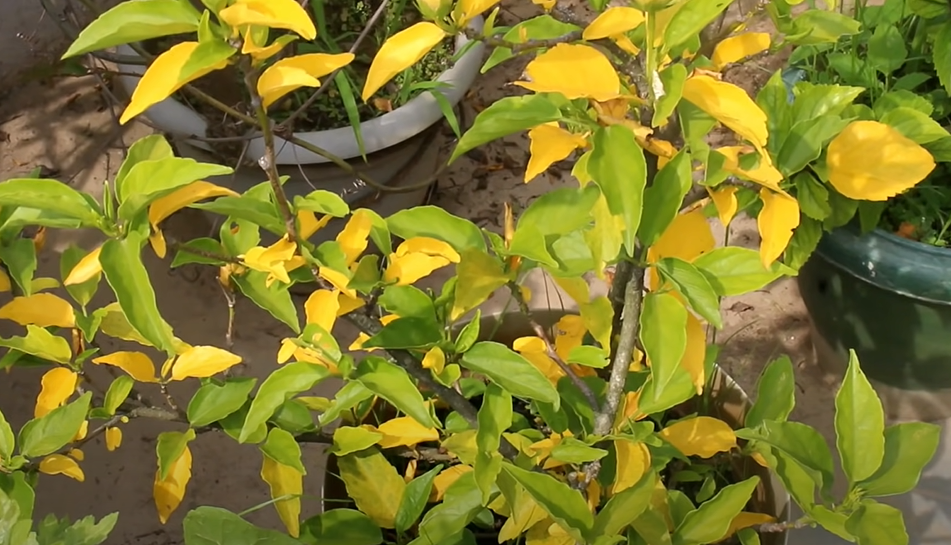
(168, 493)
(284, 481)
(203, 362)
(136, 364)
(59, 464)
(41, 310)
(701, 436)
(56, 387)
(399, 52)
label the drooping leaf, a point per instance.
(663, 199)
(393, 384)
(287, 485)
(693, 286)
(373, 484)
(479, 275)
(275, 299)
(169, 492)
(624, 507)
(169, 448)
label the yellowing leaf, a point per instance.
(309, 224)
(373, 484)
(409, 268)
(291, 73)
(613, 21)
(746, 519)
(76, 454)
(168, 493)
(405, 431)
(435, 359)
(736, 48)
(469, 9)
(547, 5)
(83, 430)
(136, 364)
(549, 144)
(286, 14)
(284, 481)
(629, 411)
(58, 464)
(534, 350)
(113, 438)
(5, 286)
(40, 309)
(569, 334)
(687, 237)
(765, 174)
(56, 386)
(633, 461)
(167, 74)
(724, 198)
(321, 308)
(347, 304)
(445, 479)
(337, 280)
(574, 70)
(399, 52)
(695, 352)
(776, 221)
(272, 260)
(163, 207)
(548, 532)
(729, 105)
(203, 362)
(43, 284)
(261, 52)
(353, 237)
(701, 436)
(525, 514)
(871, 161)
(157, 241)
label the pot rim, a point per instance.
(379, 133)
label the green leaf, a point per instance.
(506, 116)
(393, 384)
(134, 22)
(915, 125)
(709, 522)
(281, 447)
(341, 527)
(617, 165)
(7, 441)
(775, 393)
(817, 26)
(246, 208)
(169, 447)
(511, 371)
(216, 526)
(672, 78)
(322, 202)
(748, 536)
(874, 523)
(117, 393)
(691, 19)
(565, 505)
(927, 9)
(149, 180)
(20, 258)
(732, 270)
(589, 356)
(470, 332)
(150, 148)
(348, 439)
(664, 336)
(886, 49)
(625, 507)
(288, 381)
(813, 197)
(693, 286)
(560, 211)
(406, 333)
(806, 141)
(901, 99)
(407, 302)
(18, 489)
(212, 402)
(542, 27)
(42, 436)
(48, 195)
(414, 500)
(434, 222)
(662, 200)
(495, 416)
(773, 100)
(859, 424)
(942, 56)
(122, 264)
(348, 397)
(574, 451)
(445, 523)
(479, 274)
(802, 444)
(909, 446)
(373, 484)
(85, 531)
(81, 293)
(486, 469)
(41, 343)
(198, 247)
(293, 416)
(652, 527)
(832, 521)
(275, 299)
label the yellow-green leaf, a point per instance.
(87, 269)
(163, 207)
(41, 310)
(373, 484)
(113, 438)
(574, 70)
(405, 431)
(284, 481)
(729, 105)
(701, 436)
(136, 364)
(765, 174)
(286, 14)
(480, 274)
(56, 386)
(549, 144)
(613, 21)
(776, 221)
(746, 519)
(169, 492)
(348, 439)
(736, 48)
(181, 64)
(872, 161)
(287, 75)
(203, 362)
(633, 461)
(399, 52)
(59, 464)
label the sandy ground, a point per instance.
(67, 127)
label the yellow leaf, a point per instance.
(574, 70)
(113, 438)
(593, 493)
(308, 224)
(409, 268)
(168, 493)
(87, 269)
(736, 48)
(746, 519)
(291, 73)
(136, 364)
(428, 246)
(687, 237)
(729, 105)
(525, 514)
(633, 461)
(272, 260)
(612, 22)
(203, 362)
(629, 411)
(348, 304)
(373, 484)
(157, 241)
(286, 14)
(701, 436)
(405, 431)
(162, 208)
(435, 359)
(56, 386)
(549, 144)
(724, 198)
(547, 5)
(548, 532)
(758, 458)
(569, 334)
(284, 481)
(534, 350)
(399, 52)
(40, 309)
(5, 286)
(76, 454)
(469, 9)
(83, 430)
(261, 52)
(695, 352)
(871, 161)
(353, 237)
(776, 221)
(321, 308)
(338, 280)
(58, 464)
(765, 174)
(445, 479)
(164, 76)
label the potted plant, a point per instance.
(876, 282)
(608, 426)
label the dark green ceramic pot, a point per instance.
(888, 298)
